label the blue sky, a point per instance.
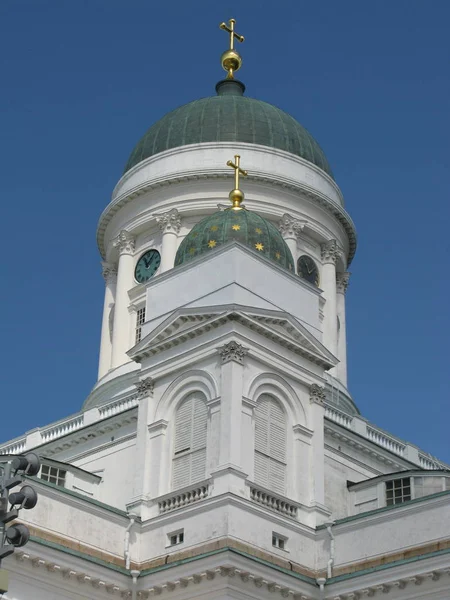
(82, 81)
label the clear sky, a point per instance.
(82, 80)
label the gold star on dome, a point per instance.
(278, 255)
(236, 227)
(214, 228)
(258, 230)
(212, 244)
(191, 250)
(259, 246)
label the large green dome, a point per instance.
(242, 226)
(229, 117)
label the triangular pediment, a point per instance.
(188, 323)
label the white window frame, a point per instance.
(49, 473)
(140, 320)
(279, 541)
(175, 538)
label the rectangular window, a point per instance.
(279, 541)
(140, 320)
(53, 475)
(175, 538)
(398, 491)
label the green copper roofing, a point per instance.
(229, 117)
(241, 225)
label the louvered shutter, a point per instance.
(189, 462)
(270, 444)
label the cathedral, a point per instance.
(220, 454)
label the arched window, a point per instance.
(189, 460)
(270, 444)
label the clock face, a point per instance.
(147, 265)
(307, 269)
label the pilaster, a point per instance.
(120, 344)
(317, 458)
(109, 272)
(143, 457)
(232, 355)
(170, 225)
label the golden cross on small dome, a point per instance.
(231, 59)
(236, 196)
(230, 29)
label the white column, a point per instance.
(330, 254)
(317, 456)
(120, 343)
(170, 225)
(290, 228)
(342, 280)
(109, 272)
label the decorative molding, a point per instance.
(157, 428)
(169, 222)
(78, 577)
(330, 252)
(317, 394)
(290, 227)
(109, 272)
(233, 351)
(145, 387)
(342, 281)
(125, 242)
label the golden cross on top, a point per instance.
(236, 196)
(233, 34)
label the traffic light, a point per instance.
(13, 468)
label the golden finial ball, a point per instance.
(236, 197)
(231, 61)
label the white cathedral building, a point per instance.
(220, 454)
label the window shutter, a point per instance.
(270, 444)
(183, 426)
(189, 462)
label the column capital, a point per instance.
(145, 387)
(316, 394)
(169, 222)
(342, 281)
(330, 252)
(125, 242)
(109, 272)
(289, 226)
(232, 351)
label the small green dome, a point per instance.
(229, 117)
(242, 226)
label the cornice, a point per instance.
(310, 192)
(88, 432)
(362, 444)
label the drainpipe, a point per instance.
(332, 550)
(126, 550)
(134, 575)
(321, 581)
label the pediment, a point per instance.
(188, 323)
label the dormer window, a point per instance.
(53, 475)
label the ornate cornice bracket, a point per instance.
(232, 351)
(169, 222)
(290, 227)
(342, 281)
(316, 394)
(109, 272)
(125, 242)
(145, 387)
(330, 252)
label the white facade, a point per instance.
(220, 454)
